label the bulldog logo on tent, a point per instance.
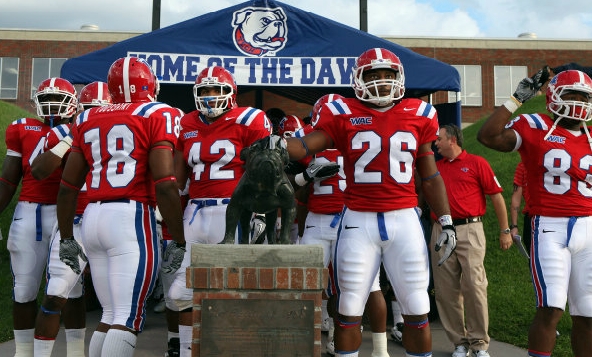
(260, 31)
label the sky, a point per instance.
(548, 19)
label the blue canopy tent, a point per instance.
(269, 46)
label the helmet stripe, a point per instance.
(125, 75)
(99, 91)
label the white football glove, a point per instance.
(70, 251)
(447, 237)
(176, 251)
(257, 226)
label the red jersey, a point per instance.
(379, 149)
(25, 138)
(520, 180)
(116, 141)
(212, 150)
(468, 178)
(326, 196)
(558, 170)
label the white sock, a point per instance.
(379, 344)
(324, 313)
(331, 331)
(397, 317)
(74, 342)
(23, 341)
(185, 340)
(172, 335)
(95, 348)
(119, 343)
(43, 348)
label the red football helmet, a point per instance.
(316, 108)
(132, 80)
(223, 81)
(566, 82)
(378, 58)
(95, 94)
(55, 98)
(289, 125)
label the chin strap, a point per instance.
(588, 135)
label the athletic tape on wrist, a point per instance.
(512, 104)
(445, 220)
(61, 149)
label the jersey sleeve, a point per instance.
(55, 135)
(164, 124)
(258, 126)
(13, 139)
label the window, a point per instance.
(9, 69)
(44, 68)
(506, 78)
(470, 84)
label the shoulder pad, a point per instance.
(146, 109)
(247, 115)
(338, 107)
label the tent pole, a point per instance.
(364, 15)
(155, 14)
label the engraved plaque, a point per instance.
(266, 328)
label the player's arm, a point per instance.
(307, 145)
(181, 170)
(162, 166)
(12, 172)
(432, 184)
(515, 203)
(46, 163)
(499, 205)
(493, 133)
(72, 180)
(434, 191)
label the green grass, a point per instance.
(511, 296)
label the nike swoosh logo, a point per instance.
(350, 227)
(315, 169)
(17, 219)
(230, 118)
(133, 346)
(546, 231)
(408, 109)
(309, 226)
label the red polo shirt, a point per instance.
(468, 178)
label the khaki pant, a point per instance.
(461, 287)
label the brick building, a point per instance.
(489, 68)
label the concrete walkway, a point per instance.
(152, 341)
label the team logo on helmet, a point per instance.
(260, 31)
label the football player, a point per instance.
(64, 286)
(124, 154)
(556, 151)
(383, 138)
(208, 153)
(35, 213)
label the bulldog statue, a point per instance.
(263, 188)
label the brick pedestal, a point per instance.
(256, 300)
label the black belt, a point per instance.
(119, 200)
(461, 221)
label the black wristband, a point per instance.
(512, 226)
